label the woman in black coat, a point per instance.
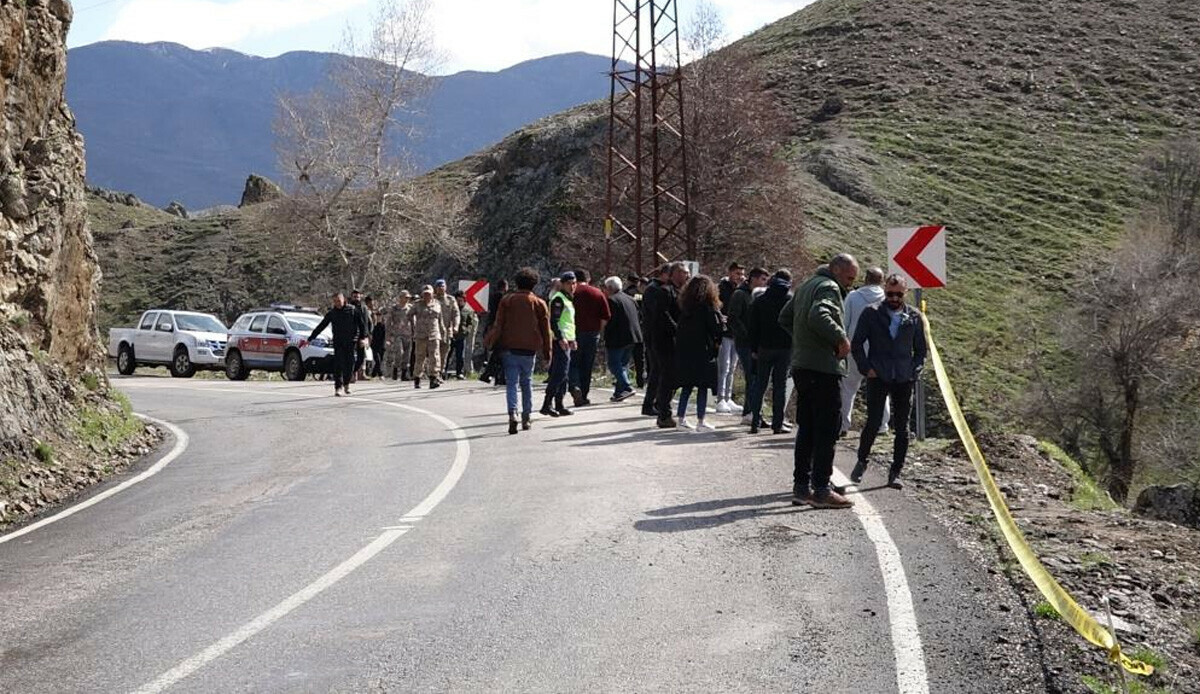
(697, 342)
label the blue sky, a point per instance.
(473, 34)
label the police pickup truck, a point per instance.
(182, 341)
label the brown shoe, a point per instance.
(667, 423)
(802, 499)
(830, 499)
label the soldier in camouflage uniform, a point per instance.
(450, 320)
(429, 333)
(399, 328)
(463, 346)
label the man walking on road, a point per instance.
(450, 319)
(857, 301)
(739, 313)
(364, 317)
(562, 324)
(520, 331)
(398, 328)
(348, 335)
(463, 346)
(591, 313)
(889, 350)
(771, 349)
(666, 326)
(820, 346)
(727, 359)
(429, 332)
(622, 334)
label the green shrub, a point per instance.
(44, 452)
(1045, 610)
(91, 381)
(1087, 495)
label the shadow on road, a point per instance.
(674, 519)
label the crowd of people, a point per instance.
(685, 338)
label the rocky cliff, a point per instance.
(49, 274)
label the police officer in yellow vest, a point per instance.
(562, 323)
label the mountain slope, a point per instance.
(1019, 126)
(170, 123)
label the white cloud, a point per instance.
(493, 34)
(209, 23)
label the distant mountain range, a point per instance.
(170, 123)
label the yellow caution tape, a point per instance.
(1076, 616)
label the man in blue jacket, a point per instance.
(889, 350)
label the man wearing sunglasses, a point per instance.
(889, 350)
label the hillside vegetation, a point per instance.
(1019, 125)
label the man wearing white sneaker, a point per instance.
(727, 358)
(857, 301)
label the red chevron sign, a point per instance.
(919, 254)
(475, 294)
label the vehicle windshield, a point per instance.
(304, 325)
(199, 323)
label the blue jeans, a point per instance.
(519, 368)
(583, 361)
(560, 367)
(685, 393)
(617, 360)
(773, 366)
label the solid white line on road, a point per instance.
(312, 590)
(266, 619)
(911, 677)
(181, 444)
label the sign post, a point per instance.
(919, 255)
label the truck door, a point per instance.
(275, 342)
(163, 339)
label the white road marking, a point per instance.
(911, 677)
(181, 444)
(312, 590)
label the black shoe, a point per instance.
(548, 408)
(753, 428)
(894, 480)
(667, 422)
(525, 423)
(435, 383)
(416, 383)
(583, 403)
(562, 411)
(649, 412)
(623, 395)
(346, 390)
(512, 426)
(859, 468)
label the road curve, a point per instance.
(592, 553)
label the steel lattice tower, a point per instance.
(648, 219)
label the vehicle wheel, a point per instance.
(293, 366)
(235, 368)
(181, 364)
(125, 361)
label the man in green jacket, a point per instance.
(815, 319)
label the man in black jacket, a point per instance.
(656, 293)
(364, 317)
(664, 315)
(889, 349)
(771, 350)
(348, 333)
(621, 334)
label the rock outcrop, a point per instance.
(48, 274)
(259, 190)
(177, 209)
(1179, 504)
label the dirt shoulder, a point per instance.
(1149, 570)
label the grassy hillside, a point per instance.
(1019, 125)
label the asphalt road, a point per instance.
(307, 543)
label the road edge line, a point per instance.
(181, 444)
(191, 665)
(911, 674)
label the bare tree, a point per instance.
(1133, 344)
(344, 144)
(742, 201)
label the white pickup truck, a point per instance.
(180, 340)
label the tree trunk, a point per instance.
(1121, 475)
